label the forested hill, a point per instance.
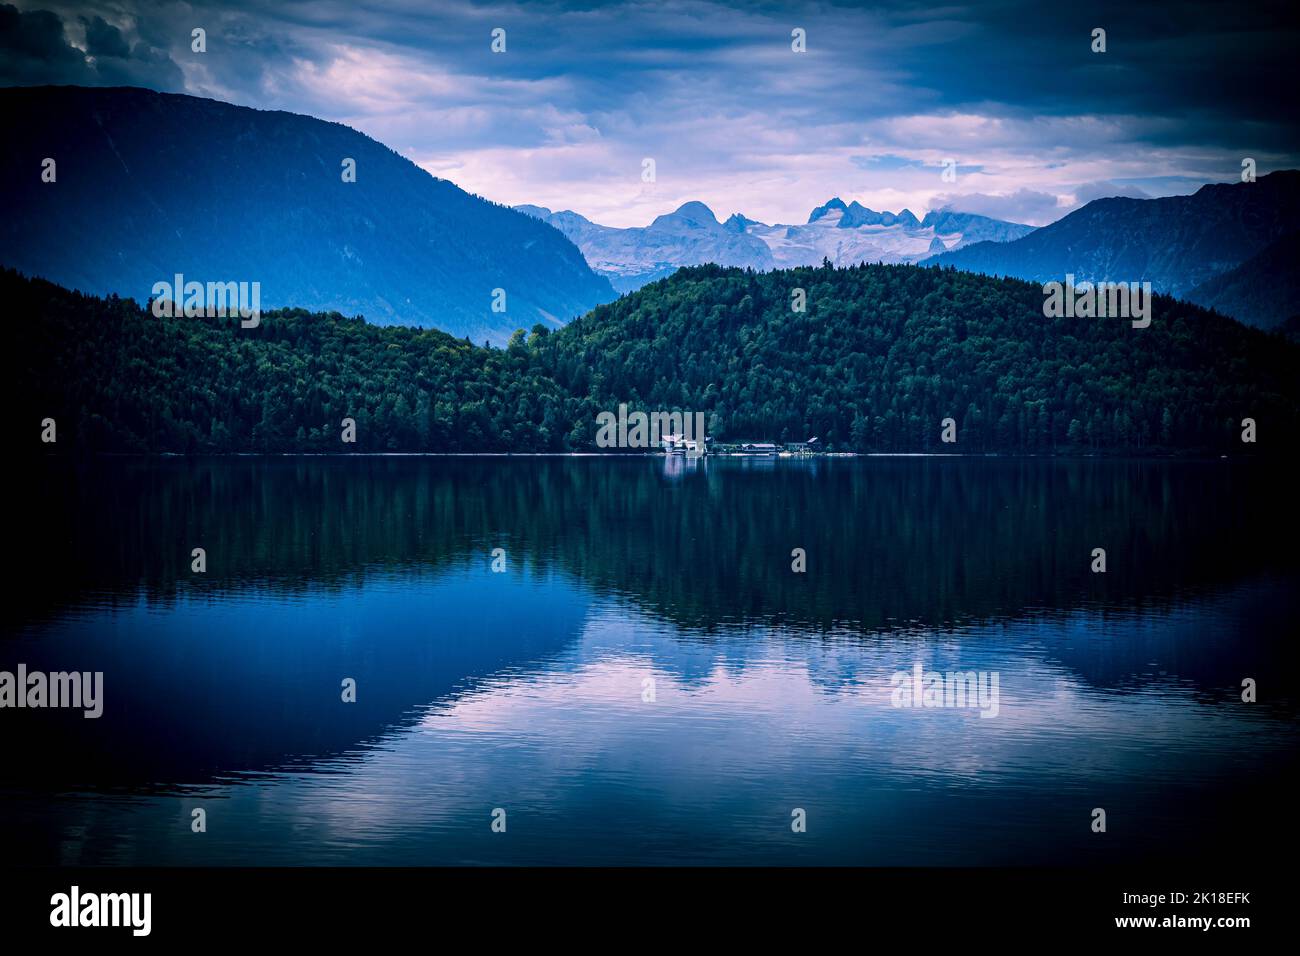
(881, 355)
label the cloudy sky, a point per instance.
(714, 94)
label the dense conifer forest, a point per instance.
(879, 357)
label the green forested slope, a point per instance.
(879, 357)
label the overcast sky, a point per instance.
(1011, 90)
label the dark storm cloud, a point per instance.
(1220, 68)
(103, 39)
(35, 48)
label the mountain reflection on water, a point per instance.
(527, 689)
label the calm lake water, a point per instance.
(772, 690)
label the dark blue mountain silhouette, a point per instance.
(1176, 243)
(152, 184)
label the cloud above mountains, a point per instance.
(40, 46)
(714, 94)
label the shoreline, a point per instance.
(660, 456)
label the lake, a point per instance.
(644, 678)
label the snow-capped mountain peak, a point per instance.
(690, 215)
(845, 233)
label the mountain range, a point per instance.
(845, 234)
(1186, 246)
(144, 185)
(147, 185)
(1263, 291)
